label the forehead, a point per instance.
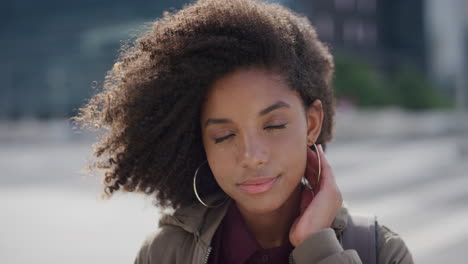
(251, 88)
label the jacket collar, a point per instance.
(202, 222)
(197, 219)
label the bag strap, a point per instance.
(361, 235)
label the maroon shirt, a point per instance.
(233, 243)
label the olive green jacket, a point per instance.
(185, 237)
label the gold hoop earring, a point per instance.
(196, 192)
(304, 180)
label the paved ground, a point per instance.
(50, 213)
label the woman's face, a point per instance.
(255, 134)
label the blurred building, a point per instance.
(384, 31)
(447, 37)
(54, 52)
(429, 34)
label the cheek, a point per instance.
(293, 136)
(290, 150)
(290, 141)
(222, 169)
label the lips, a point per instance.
(255, 186)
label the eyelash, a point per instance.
(219, 140)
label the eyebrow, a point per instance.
(277, 105)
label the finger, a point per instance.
(312, 161)
(306, 198)
(312, 168)
(331, 180)
(326, 176)
(323, 159)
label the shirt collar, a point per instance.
(240, 242)
(203, 222)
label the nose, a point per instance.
(254, 152)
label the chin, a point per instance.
(265, 203)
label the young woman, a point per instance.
(222, 111)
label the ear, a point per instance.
(314, 117)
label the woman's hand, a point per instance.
(317, 212)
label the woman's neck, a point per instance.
(272, 229)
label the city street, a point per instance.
(51, 213)
(386, 81)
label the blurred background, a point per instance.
(400, 150)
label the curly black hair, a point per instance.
(150, 103)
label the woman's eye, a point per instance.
(276, 127)
(221, 139)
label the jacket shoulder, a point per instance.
(162, 245)
(391, 247)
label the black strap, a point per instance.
(361, 235)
